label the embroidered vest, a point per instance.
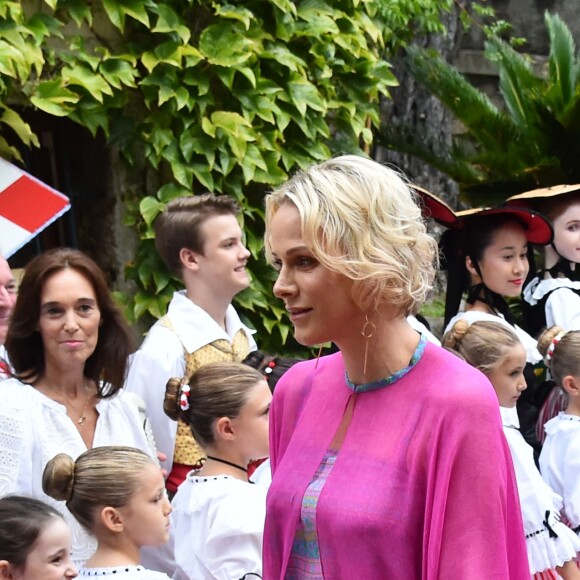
(187, 451)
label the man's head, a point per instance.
(180, 224)
(7, 297)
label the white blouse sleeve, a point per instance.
(160, 358)
(16, 434)
(563, 309)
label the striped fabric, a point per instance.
(305, 561)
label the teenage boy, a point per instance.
(201, 242)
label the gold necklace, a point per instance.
(83, 414)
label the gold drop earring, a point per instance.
(368, 331)
(318, 356)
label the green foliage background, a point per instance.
(531, 139)
(218, 96)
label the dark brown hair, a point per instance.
(22, 520)
(179, 225)
(218, 390)
(24, 343)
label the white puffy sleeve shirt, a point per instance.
(560, 462)
(34, 428)
(563, 303)
(162, 357)
(217, 528)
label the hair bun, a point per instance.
(171, 401)
(546, 340)
(455, 335)
(58, 477)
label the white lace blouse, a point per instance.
(560, 462)
(217, 527)
(549, 542)
(34, 428)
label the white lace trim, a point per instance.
(537, 288)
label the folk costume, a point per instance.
(177, 344)
(560, 463)
(550, 543)
(217, 527)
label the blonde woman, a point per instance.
(384, 464)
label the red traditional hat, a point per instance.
(538, 229)
(435, 208)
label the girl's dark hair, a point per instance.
(100, 477)
(471, 241)
(108, 362)
(22, 520)
(217, 390)
(271, 366)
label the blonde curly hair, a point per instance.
(361, 219)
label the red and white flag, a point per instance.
(27, 206)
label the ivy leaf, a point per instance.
(115, 13)
(51, 97)
(285, 6)
(150, 209)
(118, 71)
(92, 116)
(170, 191)
(284, 56)
(136, 9)
(203, 175)
(15, 122)
(249, 74)
(92, 82)
(169, 22)
(42, 25)
(223, 45)
(79, 11)
(8, 151)
(244, 15)
(305, 94)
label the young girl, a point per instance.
(560, 457)
(35, 541)
(488, 258)
(117, 494)
(553, 295)
(218, 516)
(495, 350)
